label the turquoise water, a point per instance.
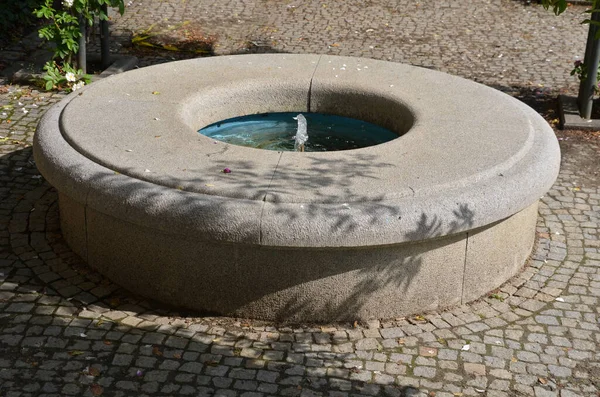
(276, 131)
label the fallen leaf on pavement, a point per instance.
(96, 389)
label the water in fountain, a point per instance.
(278, 131)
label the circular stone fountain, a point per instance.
(435, 218)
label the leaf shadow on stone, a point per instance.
(395, 272)
(274, 271)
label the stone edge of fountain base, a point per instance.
(157, 241)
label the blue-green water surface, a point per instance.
(276, 131)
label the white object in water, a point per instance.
(301, 134)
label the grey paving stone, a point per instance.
(425, 372)
(192, 367)
(122, 359)
(367, 344)
(390, 333)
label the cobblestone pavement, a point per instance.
(66, 330)
(499, 42)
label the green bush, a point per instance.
(63, 29)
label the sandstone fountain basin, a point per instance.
(435, 218)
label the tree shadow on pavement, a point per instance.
(58, 316)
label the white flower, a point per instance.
(70, 76)
(68, 3)
(78, 85)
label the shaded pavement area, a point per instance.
(66, 330)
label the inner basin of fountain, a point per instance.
(276, 131)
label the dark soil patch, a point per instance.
(20, 23)
(577, 146)
(582, 148)
(186, 37)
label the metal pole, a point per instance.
(81, 55)
(591, 61)
(104, 42)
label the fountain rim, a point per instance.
(137, 198)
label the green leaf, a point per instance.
(558, 6)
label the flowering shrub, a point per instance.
(64, 77)
(64, 31)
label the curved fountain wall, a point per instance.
(435, 218)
